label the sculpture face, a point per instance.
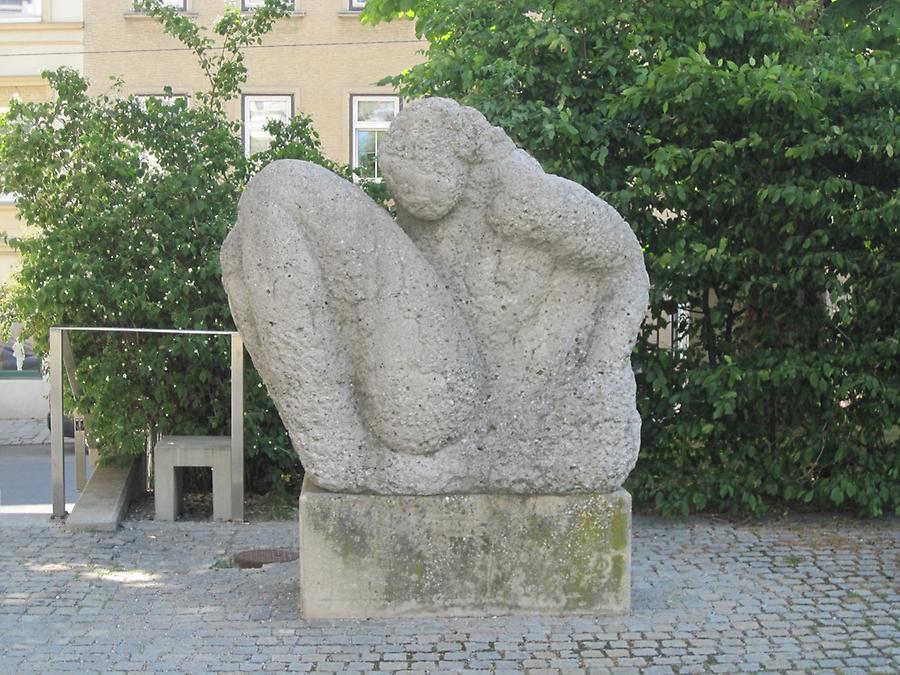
(491, 354)
(428, 190)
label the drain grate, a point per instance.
(258, 557)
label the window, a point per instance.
(11, 10)
(248, 5)
(177, 4)
(258, 110)
(357, 4)
(671, 332)
(7, 197)
(371, 117)
(162, 98)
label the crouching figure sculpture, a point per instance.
(480, 344)
(457, 383)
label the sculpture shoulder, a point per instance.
(309, 193)
(285, 170)
(558, 214)
(299, 179)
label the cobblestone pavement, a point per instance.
(24, 432)
(812, 595)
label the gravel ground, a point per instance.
(198, 506)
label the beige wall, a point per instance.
(29, 46)
(25, 88)
(321, 77)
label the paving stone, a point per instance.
(708, 596)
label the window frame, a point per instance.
(357, 5)
(368, 126)
(245, 128)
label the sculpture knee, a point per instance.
(359, 305)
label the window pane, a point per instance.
(258, 141)
(372, 117)
(375, 111)
(262, 110)
(366, 153)
(258, 111)
(17, 8)
(161, 100)
(253, 4)
(177, 4)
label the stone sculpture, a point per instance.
(480, 344)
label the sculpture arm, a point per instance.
(561, 217)
(580, 231)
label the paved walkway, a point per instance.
(818, 595)
(25, 483)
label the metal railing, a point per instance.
(61, 358)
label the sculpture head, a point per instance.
(426, 156)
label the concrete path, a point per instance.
(25, 483)
(815, 595)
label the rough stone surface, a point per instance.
(817, 595)
(484, 347)
(463, 555)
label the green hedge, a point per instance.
(752, 146)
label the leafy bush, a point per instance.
(131, 202)
(752, 148)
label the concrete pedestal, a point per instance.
(173, 453)
(463, 555)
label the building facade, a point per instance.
(320, 61)
(35, 35)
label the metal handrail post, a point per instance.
(80, 451)
(68, 362)
(237, 427)
(57, 459)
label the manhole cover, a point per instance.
(258, 557)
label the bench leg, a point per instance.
(167, 492)
(222, 508)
